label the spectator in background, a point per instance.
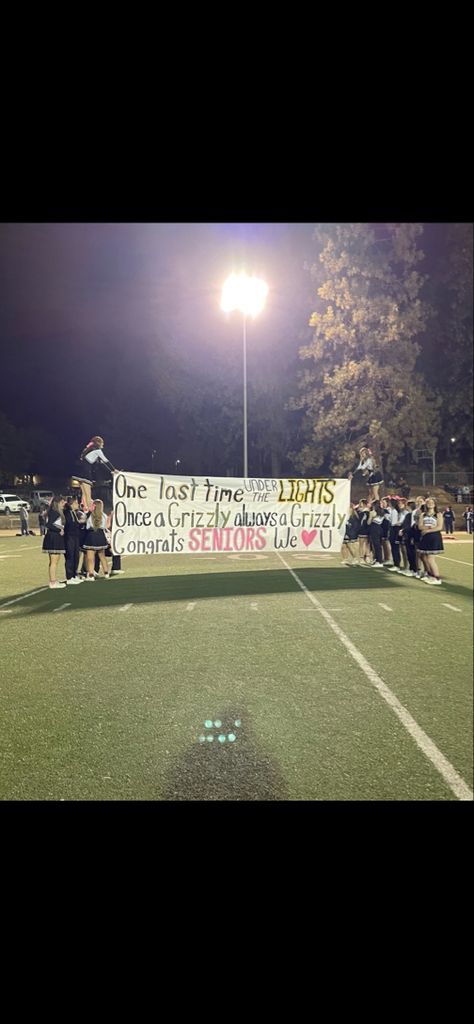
(468, 515)
(459, 495)
(403, 487)
(466, 492)
(24, 521)
(449, 519)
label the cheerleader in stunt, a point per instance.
(100, 475)
(367, 466)
(98, 486)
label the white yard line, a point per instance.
(125, 607)
(254, 606)
(16, 599)
(62, 607)
(456, 784)
(448, 559)
(451, 606)
(385, 607)
(190, 606)
(7, 612)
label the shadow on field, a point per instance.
(237, 770)
(185, 587)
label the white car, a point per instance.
(11, 503)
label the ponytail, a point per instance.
(95, 442)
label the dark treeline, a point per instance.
(377, 345)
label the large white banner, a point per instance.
(191, 515)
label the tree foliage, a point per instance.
(447, 343)
(360, 382)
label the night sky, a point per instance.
(76, 300)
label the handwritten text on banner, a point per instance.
(156, 514)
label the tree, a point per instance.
(447, 344)
(360, 383)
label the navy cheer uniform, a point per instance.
(367, 466)
(100, 471)
(352, 528)
(74, 528)
(363, 519)
(53, 542)
(95, 540)
(430, 543)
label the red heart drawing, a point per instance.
(307, 537)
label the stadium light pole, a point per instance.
(247, 295)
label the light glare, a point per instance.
(247, 294)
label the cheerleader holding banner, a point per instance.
(98, 487)
(100, 478)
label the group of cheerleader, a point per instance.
(80, 523)
(391, 532)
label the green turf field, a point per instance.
(107, 698)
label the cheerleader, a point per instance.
(404, 517)
(348, 549)
(100, 486)
(368, 468)
(100, 480)
(431, 524)
(53, 543)
(73, 532)
(394, 504)
(415, 522)
(95, 540)
(376, 520)
(363, 510)
(386, 549)
(408, 539)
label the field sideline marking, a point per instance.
(33, 592)
(190, 606)
(125, 607)
(62, 607)
(458, 560)
(385, 606)
(438, 760)
(451, 606)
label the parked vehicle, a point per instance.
(11, 504)
(39, 499)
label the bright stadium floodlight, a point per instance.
(248, 296)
